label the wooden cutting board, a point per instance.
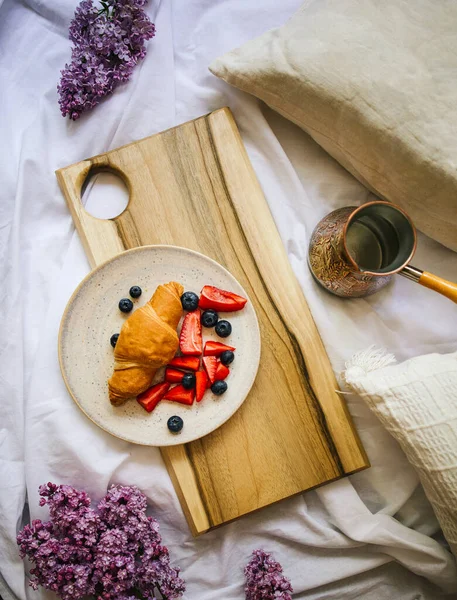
(194, 186)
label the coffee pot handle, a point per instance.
(431, 281)
(440, 285)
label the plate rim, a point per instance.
(89, 276)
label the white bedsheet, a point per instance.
(371, 536)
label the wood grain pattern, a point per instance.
(293, 432)
(440, 285)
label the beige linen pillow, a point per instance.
(416, 401)
(374, 83)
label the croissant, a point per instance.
(147, 341)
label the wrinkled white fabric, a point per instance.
(371, 536)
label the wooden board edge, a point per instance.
(103, 155)
(272, 504)
(180, 470)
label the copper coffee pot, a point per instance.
(354, 251)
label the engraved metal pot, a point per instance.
(354, 251)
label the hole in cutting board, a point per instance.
(104, 194)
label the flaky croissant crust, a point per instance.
(147, 341)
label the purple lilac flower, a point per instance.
(112, 553)
(265, 580)
(108, 42)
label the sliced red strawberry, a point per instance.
(213, 297)
(210, 364)
(173, 375)
(200, 384)
(190, 340)
(216, 348)
(180, 394)
(222, 372)
(151, 397)
(186, 362)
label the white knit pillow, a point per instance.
(417, 403)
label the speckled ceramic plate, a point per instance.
(92, 316)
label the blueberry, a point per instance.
(219, 387)
(188, 381)
(227, 357)
(175, 424)
(189, 301)
(113, 339)
(135, 291)
(209, 318)
(223, 329)
(125, 305)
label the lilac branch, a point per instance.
(112, 553)
(265, 579)
(107, 45)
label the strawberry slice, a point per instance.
(213, 297)
(173, 375)
(181, 395)
(222, 372)
(200, 384)
(185, 362)
(216, 348)
(210, 364)
(190, 340)
(151, 397)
